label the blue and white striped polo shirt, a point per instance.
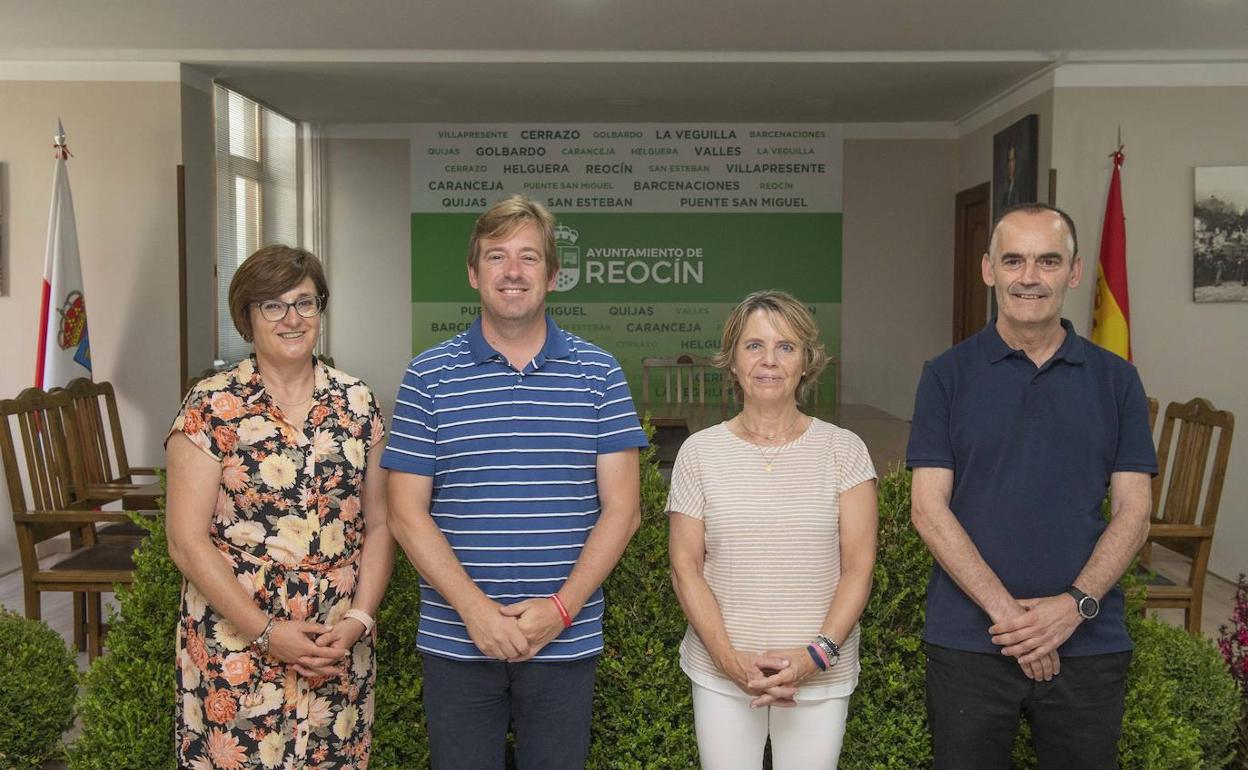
(513, 458)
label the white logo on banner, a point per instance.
(569, 258)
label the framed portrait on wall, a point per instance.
(1015, 155)
(1220, 235)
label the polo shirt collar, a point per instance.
(995, 349)
(555, 347)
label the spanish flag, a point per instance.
(1111, 315)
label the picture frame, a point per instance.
(1015, 158)
(1220, 234)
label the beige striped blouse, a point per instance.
(773, 557)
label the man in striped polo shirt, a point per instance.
(514, 490)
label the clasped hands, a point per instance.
(771, 676)
(1033, 632)
(513, 632)
(314, 650)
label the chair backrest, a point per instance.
(42, 477)
(1154, 406)
(683, 378)
(101, 446)
(1183, 458)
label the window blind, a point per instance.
(257, 195)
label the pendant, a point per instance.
(767, 467)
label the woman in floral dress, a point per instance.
(277, 520)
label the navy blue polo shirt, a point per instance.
(1031, 450)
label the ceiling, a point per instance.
(383, 61)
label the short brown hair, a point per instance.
(795, 316)
(268, 273)
(501, 219)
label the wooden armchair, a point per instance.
(1185, 507)
(105, 469)
(683, 377)
(43, 508)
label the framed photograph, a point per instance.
(1015, 155)
(1220, 235)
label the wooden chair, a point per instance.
(1154, 406)
(43, 508)
(684, 379)
(106, 472)
(1185, 507)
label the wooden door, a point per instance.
(970, 296)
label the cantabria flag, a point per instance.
(1111, 315)
(63, 350)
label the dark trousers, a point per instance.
(974, 701)
(468, 705)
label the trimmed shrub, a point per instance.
(399, 738)
(887, 725)
(38, 684)
(1180, 711)
(1206, 696)
(643, 704)
(128, 696)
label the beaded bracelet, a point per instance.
(261, 643)
(830, 649)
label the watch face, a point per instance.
(1089, 607)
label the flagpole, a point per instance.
(64, 350)
(41, 353)
(1111, 309)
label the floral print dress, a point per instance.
(289, 525)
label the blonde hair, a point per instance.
(793, 314)
(501, 219)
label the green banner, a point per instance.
(643, 285)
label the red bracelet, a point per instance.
(563, 611)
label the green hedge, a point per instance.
(38, 681)
(128, 693)
(1181, 701)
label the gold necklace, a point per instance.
(772, 436)
(293, 405)
(776, 451)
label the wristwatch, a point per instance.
(1088, 606)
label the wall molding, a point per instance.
(114, 71)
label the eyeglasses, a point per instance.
(275, 310)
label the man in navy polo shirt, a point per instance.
(513, 489)
(1018, 432)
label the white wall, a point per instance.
(897, 296)
(369, 258)
(126, 142)
(1183, 349)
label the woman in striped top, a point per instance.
(773, 527)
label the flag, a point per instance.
(64, 352)
(1111, 313)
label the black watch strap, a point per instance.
(1088, 606)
